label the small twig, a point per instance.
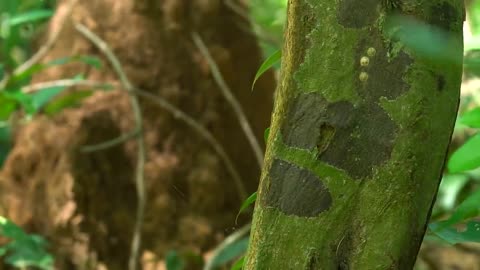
(139, 175)
(42, 52)
(29, 89)
(202, 132)
(177, 114)
(237, 235)
(227, 93)
(109, 144)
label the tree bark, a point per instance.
(359, 135)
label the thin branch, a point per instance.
(42, 52)
(237, 235)
(180, 115)
(177, 114)
(109, 144)
(227, 93)
(139, 175)
(29, 89)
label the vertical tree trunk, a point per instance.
(359, 135)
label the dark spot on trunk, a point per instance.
(296, 191)
(357, 14)
(384, 73)
(362, 143)
(442, 15)
(440, 82)
(354, 139)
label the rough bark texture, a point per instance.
(85, 203)
(359, 136)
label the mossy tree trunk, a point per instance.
(359, 134)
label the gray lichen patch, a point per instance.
(296, 191)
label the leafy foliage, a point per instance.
(23, 250)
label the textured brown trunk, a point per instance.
(85, 203)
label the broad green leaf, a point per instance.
(467, 157)
(2, 251)
(7, 106)
(251, 199)
(29, 17)
(265, 134)
(469, 208)
(271, 60)
(238, 265)
(471, 118)
(70, 100)
(449, 190)
(430, 42)
(24, 76)
(21, 98)
(230, 252)
(44, 96)
(173, 261)
(468, 232)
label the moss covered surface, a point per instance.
(367, 117)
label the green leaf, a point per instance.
(238, 265)
(5, 142)
(425, 40)
(271, 60)
(7, 106)
(230, 252)
(467, 157)
(449, 190)
(173, 261)
(21, 98)
(251, 199)
(44, 96)
(471, 118)
(23, 77)
(73, 99)
(86, 59)
(265, 134)
(29, 17)
(469, 232)
(469, 208)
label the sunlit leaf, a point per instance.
(471, 118)
(461, 233)
(469, 208)
(265, 134)
(73, 99)
(249, 201)
(230, 252)
(269, 62)
(44, 96)
(449, 190)
(467, 157)
(238, 265)
(29, 17)
(7, 106)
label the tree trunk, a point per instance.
(359, 135)
(85, 204)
